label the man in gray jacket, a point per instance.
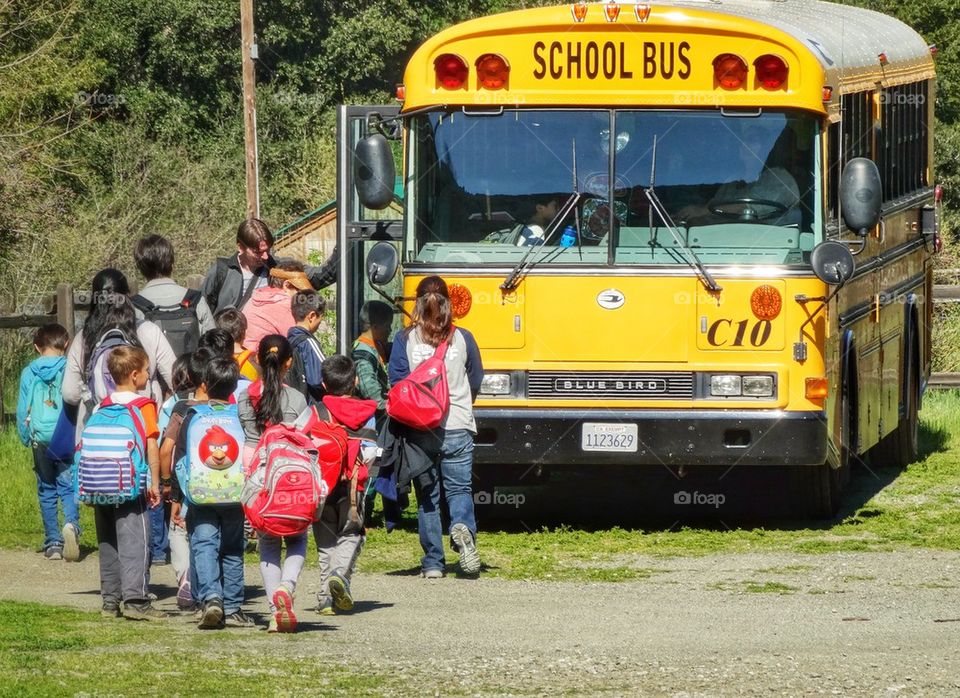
(232, 280)
(154, 258)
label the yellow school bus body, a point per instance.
(659, 55)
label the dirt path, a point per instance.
(847, 624)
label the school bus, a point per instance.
(683, 233)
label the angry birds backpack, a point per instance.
(211, 470)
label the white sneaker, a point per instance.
(71, 543)
(463, 542)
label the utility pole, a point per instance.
(249, 51)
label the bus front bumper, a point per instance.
(664, 437)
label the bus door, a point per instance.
(359, 228)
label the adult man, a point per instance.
(231, 281)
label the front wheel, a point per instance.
(816, 490)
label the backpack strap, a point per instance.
(441, 350)
(143, 305)
(223, 266)
(191, 298)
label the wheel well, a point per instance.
(849, 385)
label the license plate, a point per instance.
(609, 437)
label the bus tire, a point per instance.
(900, 447)
(817, 490)
(904, 442)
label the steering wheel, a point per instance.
(748, 213)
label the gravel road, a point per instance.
(746, 624)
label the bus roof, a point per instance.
(824, 44)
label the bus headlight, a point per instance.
(725, 386)
(758, 386)
(495, 384)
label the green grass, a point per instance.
(47, 651)
(751, 587)
(918, 507)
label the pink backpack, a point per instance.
(284, 490)
(422, 399)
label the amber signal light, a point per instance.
(729, 71)
(493, 72)
(816, 388)
(461, 300)
(766, 302)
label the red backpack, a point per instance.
(285, 487)
(422, 399)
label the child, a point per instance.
(268, 311)
(187, 373)
(307, 308)
(160, 516)
(215, 530)
(268, 401)
(219, 342)
(123, 529)
(38, 410)
(234, 322)
(339, 533)
(370, 355)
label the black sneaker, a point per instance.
(54, 552)
(212, 618)
(110, 609)
(239, 619)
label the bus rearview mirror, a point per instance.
(382, 263)
(832, 262)
(860, 195)
(374, 172)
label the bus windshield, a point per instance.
(736, 189)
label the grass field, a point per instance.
(918, 507)
(48, 651)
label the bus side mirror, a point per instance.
(860, 195)
(374, 172)
(832, 262)
(382, 263)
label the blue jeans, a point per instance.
(453, 473)
(216, 546)
(54, 483)
(159, 532)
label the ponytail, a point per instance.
(273, 355)
(433, 314)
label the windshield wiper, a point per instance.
(661, 211)
(514, 277)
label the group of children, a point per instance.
(286, 379)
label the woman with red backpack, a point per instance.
(449, 446)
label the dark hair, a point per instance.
(197, 364)
(110, 309)
(234, 322)
(219, 342)
(252, 231)
(124, 360)
(220, 377)
(374, 314)
(432, 313)
(273, 355)
(284, 265)
(51, 336)
(153, 255)
(339, 375)
(182, 383)
(305, 302)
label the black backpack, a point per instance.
(178, 322)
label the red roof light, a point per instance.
(771, 71)
(451, 71)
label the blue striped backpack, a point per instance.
(110, 466)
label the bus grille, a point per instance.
(610, 385)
